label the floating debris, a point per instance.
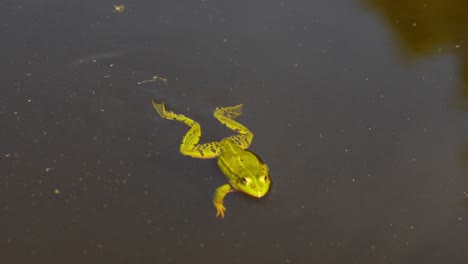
(119, 8)
(154, 79)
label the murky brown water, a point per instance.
(360, 109)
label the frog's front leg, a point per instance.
(189, 145)
(226, 116)
(218, 198)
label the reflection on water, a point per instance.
(427, 27)
(93, 58)
(464, 154)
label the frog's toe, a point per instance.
(159, 108)
(234, 111)
(237, 108)
(220, 209)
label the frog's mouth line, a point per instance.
(257, 195)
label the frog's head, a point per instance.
(257, 182)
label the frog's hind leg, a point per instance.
(226, 116)
(189, 145)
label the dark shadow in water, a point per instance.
(464, 154)
(431, 27)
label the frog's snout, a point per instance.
(260, 194)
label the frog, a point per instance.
(244, 170)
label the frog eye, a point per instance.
(265, 178)
(244, 180)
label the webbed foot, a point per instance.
(220, 209)
(218, 198)
(159, 108)
(231, 112)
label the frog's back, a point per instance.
(229, 151)
(236, 159)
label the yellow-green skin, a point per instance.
(245, 171)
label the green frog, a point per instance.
(244, 170)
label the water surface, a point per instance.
(358, 107)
